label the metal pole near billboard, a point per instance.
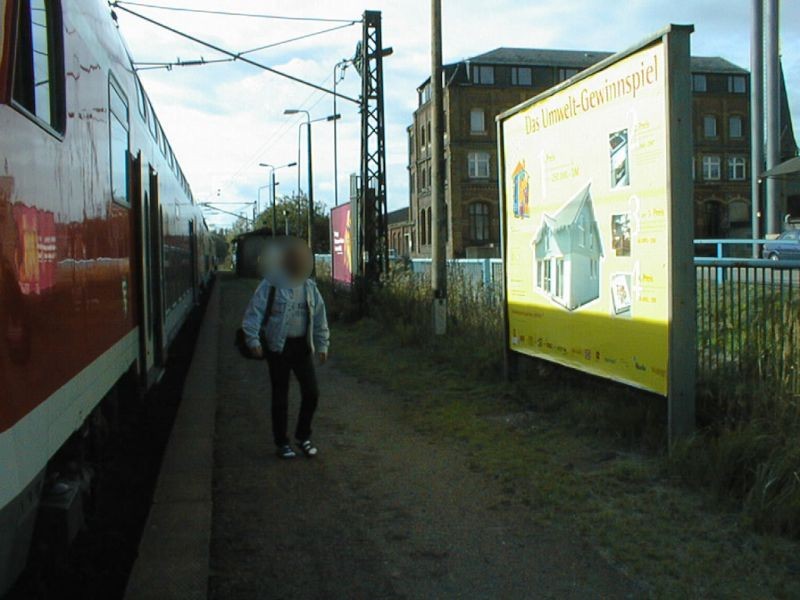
(597, 223)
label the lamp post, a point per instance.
(337, 77)
(272, 185)
(307, 123)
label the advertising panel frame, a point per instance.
(681, 351)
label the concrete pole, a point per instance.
(439, 214)
(756, 117)
(773, 108)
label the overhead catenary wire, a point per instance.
(233, 55)
(235, 14)
(168, 65)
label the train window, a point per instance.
(152, 122)
(140, 100)
(118, 126)
(38, 85)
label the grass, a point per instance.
(587, 480)
(715, 518)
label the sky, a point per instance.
(224, 119)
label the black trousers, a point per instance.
(296, 356)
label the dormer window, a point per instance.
(482, 75)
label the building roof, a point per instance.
(397, 216)
(580, 59)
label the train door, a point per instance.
(140, 201)
(156, 273)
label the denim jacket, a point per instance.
(277, 325)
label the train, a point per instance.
(103, 251)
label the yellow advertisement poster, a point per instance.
(587, 223)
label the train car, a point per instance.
(102, 248)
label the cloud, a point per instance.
(224, 119)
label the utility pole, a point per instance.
(773, 106)
(438, 205)
(756, 117)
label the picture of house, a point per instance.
(521, 192)
(567, 251)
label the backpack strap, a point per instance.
(270, 303)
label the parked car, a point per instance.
(785, 247)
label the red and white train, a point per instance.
(102, 248)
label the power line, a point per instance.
(149, 66)
(297, 39)
(237, 14)
(233, 55)
(168, 65)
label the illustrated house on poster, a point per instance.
(567, 251)
(521, 191)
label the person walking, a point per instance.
(286, 322)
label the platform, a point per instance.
(385, 511)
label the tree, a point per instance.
(292, 214)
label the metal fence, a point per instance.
(748, 321)
(748, 315)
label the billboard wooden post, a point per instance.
(682, 365)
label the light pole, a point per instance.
(272, 186)
(307, 123)
(341, 66)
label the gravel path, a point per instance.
(383, 512)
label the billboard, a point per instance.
(587, 212)
(342, 244)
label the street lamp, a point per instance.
(307, 123)
(272, 186)
(341, 66)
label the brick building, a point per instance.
(480, 88)
(401, 233)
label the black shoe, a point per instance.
(286, 451)
(307, 448)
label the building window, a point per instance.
(422, 229)
(39, 63)
(699, 83)
(429, 212)
(483, 75)
(594, 269)
(710, 126)
(737, 84)
(429, 133)
(565, 73)
(479, 222)
(118, 125)
(478, 165)
(425, 94)
(737, 168)
(736, 127)
(477, 121)
(422, 137)
(711, 168)
(521, 76)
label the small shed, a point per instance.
(249, 250)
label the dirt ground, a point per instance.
(385, 511)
